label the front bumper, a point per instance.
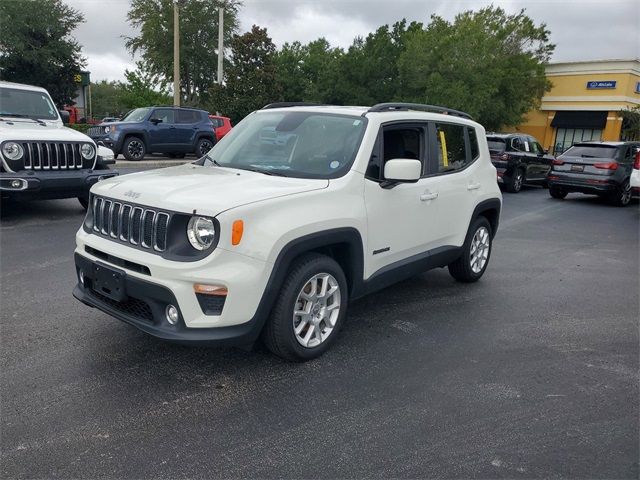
(43, 184)
(112, 143)
(152, 283)
(582, 183)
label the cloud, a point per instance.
(581, 29)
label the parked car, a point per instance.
(518, 159)
(635, 174)
(222, 125)
(175, 131)
(599, 168)
(40, 158)
(271, 240)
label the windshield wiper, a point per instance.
(261, 170)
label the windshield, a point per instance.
(292, 144)
(137, 115)
(591, 151)
(16, 102)
(498, 144)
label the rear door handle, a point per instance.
(428, 196)
(473, 186)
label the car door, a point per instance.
(519, 154)
(540, 161)
(186, 129)
(162, 130)
(401, 218)
(454, 169)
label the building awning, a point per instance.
(577, 119)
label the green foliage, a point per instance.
(198, 40)
(106, 101)
(630, 123)
(36, 46)
(143, 89)
(486, 63)
(81, 127)
(251, 77)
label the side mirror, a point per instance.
(65, 116)
(401, 170)
(155, 121)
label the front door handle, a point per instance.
(473, 186)
(428, 196)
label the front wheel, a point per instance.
(133, 149)
(309, 310)
(476, 251)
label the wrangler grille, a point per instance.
(53, 156)
(129, 223)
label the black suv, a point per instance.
(600, 168)
(175, 131)
(518, 159)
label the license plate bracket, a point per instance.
(577, 168)
(109, 281)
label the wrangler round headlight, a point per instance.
(201, 232)
(87, 151)
(12, 150)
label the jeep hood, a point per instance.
(208, 190)
(24, 129)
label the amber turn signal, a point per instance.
(218, 290)
(236, 232)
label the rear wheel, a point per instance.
(557, 192)
(309, 310)
(203, 146)
(476, 251)
(133, 149)
(623, 196)
(515, 183)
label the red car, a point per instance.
(222, 126)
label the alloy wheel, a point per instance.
(135, 149)
(479, 252)
(205, 146)
(625, 195)
(316, 310)
(517, 181)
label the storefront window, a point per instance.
(565, 137)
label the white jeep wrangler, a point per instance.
(40, 158)
(295, 212)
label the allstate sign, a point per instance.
(601, 84)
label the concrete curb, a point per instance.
(150, 163)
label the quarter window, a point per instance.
(473, 143)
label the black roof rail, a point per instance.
(383, 107)
(291, 104)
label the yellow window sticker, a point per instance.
(443, 145)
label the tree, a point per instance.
(36, 46)
(630, 123)
(251, 80)
(143, 89)
(198, 40)
(487, 63)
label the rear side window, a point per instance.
(452, 151)
(188, 116)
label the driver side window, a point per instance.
(164, 114)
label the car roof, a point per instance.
(21, 86)
(607, 144)
(507, 135)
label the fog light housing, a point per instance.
(172, 315)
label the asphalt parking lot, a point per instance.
(531, 372)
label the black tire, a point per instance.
(115, 156)
(514, 185)
(462, 269)
(557, 192)
(134, 149)
(623, 195)
(203, 146)
(278, 334)
(84, 201)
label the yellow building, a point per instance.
(584, 103)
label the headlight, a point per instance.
(201, 232)
(87, 151)
(107, 129)
(12, 150)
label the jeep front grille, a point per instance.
(95, 131)
(136, 225)
(52, 156)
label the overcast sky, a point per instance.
(581, 29)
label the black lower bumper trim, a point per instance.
(595, 189)
(157, 297)
(52, 184)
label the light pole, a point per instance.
(220, 43)
(176, 54)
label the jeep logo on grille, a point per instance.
(131, 194)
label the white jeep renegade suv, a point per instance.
(295, 212)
